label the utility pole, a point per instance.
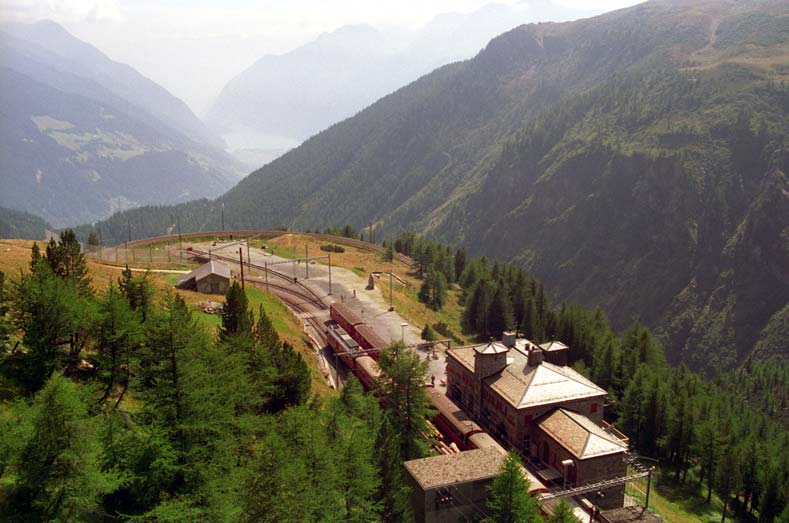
(391, 306)
(241, 263)
(180, 247)
(249, 260)
(99, 224)
(307, 260)
(265, 272)
(372, 238)
(329, 274)
(223, 216)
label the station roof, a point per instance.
(523, 385)
(582, 437)
(452, 469)
(494, 347)
(552, 346)
(212, 267)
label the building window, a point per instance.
(594, 407)
(527, 418)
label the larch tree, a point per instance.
(237, 318)
(59, 477)
(509, 500)
(562, 513)
(403, 398)
(67, 261)
(118, 336)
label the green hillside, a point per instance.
(21, 225)
(634, 161)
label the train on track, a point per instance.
(357, 345)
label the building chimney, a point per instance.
(508, 339)
(535, 356)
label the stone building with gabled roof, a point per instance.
(550, 413)
(210, 278)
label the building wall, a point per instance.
(557, 357)
(213, 284)
(499, 417)
(586, 471)
(449, 504)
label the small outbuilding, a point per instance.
(452, 487)
(210, 278)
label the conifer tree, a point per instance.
(500, 312)
(509, 500)
(55, 320)
(460, 262)
(137, 290)
(35, 257)
(562, 513)
(292, 382)
(237, 319)
(264, 332)
(59, 477)
(428, 333)
(393, 490)
(67, 261)
(403, 397)
(118, 336)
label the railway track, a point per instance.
(305, 313)
(308, 294)
(350, 242)
(303, 300)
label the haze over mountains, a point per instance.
(284, 99)
(634, 161)
(83, 136)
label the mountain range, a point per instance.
(284, 99)
(83, 136)
(634, 161)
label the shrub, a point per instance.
(332, 248)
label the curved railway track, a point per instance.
(350, 242)
(308, 294)
(303, 310)
(306, 303)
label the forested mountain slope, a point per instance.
(21, 225)
(82, 136)
(634, 161)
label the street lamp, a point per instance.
(402, 331)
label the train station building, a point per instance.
(549, 412)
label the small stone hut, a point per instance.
(210, 278)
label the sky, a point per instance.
(213, 40)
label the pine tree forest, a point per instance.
(730, 434)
